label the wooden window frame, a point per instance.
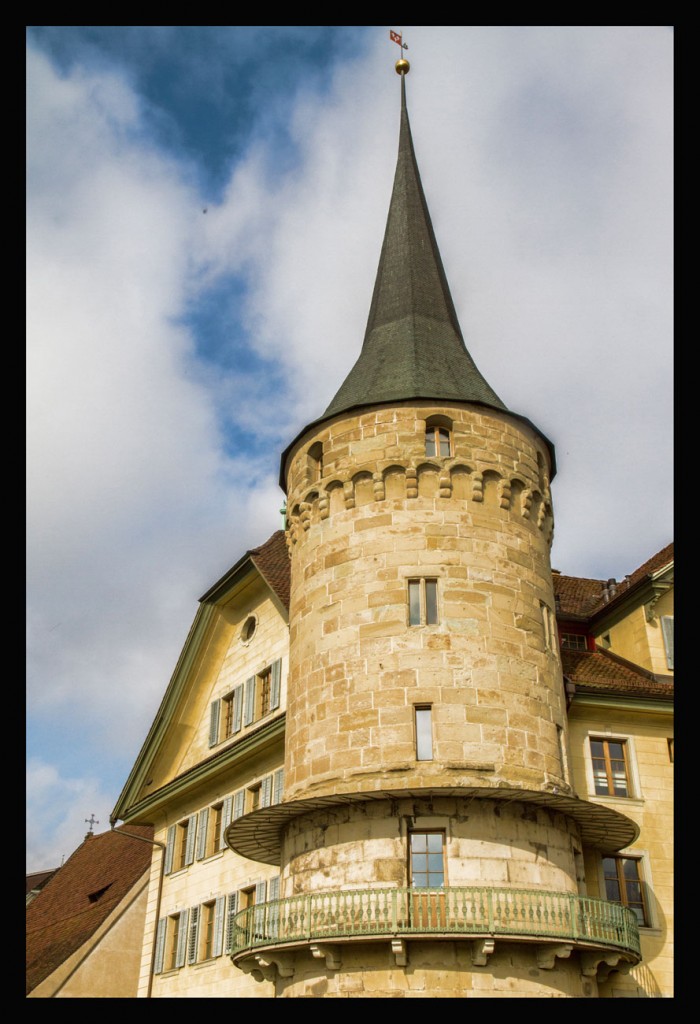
(614, 875)
(437, 438)
(607, 761)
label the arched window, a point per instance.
(437, 441)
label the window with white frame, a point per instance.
(424, 732)
(574, 642)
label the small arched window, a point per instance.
(437, 441)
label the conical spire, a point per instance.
(413, 345)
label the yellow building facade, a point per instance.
(374, 773)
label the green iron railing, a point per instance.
(450, 910)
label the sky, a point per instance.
(205, 211)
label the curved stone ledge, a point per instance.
(258, 835)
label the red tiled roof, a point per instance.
(584, 597)
(576, 596)
(272, 560)
(600, 671)
(80, 896)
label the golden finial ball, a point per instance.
(402, 67)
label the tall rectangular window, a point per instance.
(623, 884)
(667, 629)
(422, 602)
(424, 733)
(427, 866)
(610, 774)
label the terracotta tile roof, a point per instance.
(579, 597)
(600, 671)
(272, 560)
(80, 896)
(576, 596)
(38, 879)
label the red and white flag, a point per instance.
(396, 38)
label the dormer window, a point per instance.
(437, 441)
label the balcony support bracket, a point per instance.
(591, 961)
(398, 948)
(328, 953)
(284, 965)
(481, 951)
(546, 955)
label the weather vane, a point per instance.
(396, 37)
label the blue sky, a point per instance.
(205, 210)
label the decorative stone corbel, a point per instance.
(526, 499)
(504, 498)
(482, 950)
(283, 964)
(411, 482)
(378, 486)
(398, 948)
(623, 967)
(445, 486)
(349, 494)
(329, 954)
(546, 955)
(591, 961)
(477, 487)
(250, 966)
(323, 509)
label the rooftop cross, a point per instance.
(92, 820)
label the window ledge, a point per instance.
(622, 801)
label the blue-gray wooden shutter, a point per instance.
(238, 708)
(277, 785)
(193, 942)
(249, 709)
(259, 909)
(160, 945)
(214, 715)
(275, 684)
(238, 803)
(191, 836)
(182, 939)
(219, 919)
(667, 629)
(225, 821)
(169, 849)
(266, 791)
(230, 915)
(202, 827)
(273, 912)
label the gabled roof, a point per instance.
(269, 561)
(272, 561)
(601, 672)
(578, 597)
(81, 896)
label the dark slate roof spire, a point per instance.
(413, 345)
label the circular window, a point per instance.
(248, 630)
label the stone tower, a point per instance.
(429, 841)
